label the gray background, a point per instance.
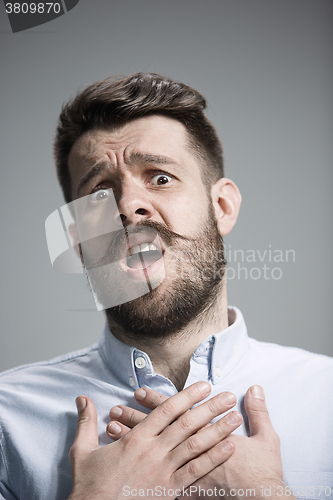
(266, 69)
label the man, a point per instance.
(145, 142)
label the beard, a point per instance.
(190, 290)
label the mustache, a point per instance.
(169, 237)
(119, 240)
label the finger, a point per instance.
(255, 406)
(116, 430)
(128, 418)
(173, 407)
(86, 432)
(191, 421)
(204, 464)
(149, 398)
(126, 415)
(205, 439)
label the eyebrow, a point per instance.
(93, 172)
(135, 158)
(148, 158)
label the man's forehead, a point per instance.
(156, 134)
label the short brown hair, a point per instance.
(113, 102)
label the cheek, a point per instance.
(95, 249)
(185, 214)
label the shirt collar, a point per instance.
(230, 346)
(220, 351)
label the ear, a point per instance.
(72, 229)
(226, 200)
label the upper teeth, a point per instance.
(144, 247)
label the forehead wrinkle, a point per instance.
(93, 172)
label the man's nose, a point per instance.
(134, 205)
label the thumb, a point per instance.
(255, 406)
(86, 432)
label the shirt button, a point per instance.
(140, 362)
(218, 372)
(131, 381)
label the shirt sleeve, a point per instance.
(5, 493)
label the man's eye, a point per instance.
(100, 195)
(160, 179)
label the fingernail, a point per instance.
(114, 429)
(226, 446)
(204, 387)
(116, 412)
(140, 394)
(228, 398)
(81, 403)
(233, 418)
(257, 392)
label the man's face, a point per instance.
(157, 183)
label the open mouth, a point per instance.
(143, 256)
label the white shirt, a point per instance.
(38, 415)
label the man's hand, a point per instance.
(255, 468)
(163, 451)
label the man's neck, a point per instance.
(171, 356)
